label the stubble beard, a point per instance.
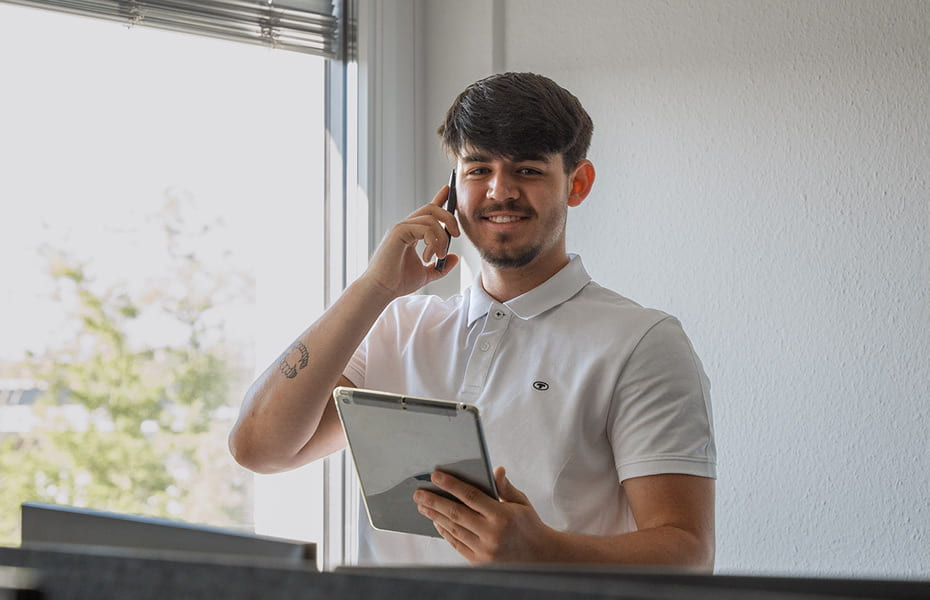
(502, 256)
(509, 258)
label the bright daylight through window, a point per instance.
(162, 241)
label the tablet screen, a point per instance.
(397, 441)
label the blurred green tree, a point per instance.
(127, 426)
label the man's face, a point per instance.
(513, 209)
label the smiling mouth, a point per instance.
(507, 219)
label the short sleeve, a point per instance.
(381, 336)
(660, 419)
(355, 370)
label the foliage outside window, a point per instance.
(132, 428)
(161, 199)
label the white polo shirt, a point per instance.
(579, 388)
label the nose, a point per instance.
(502, 187)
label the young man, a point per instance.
(598, 408)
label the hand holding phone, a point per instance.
(451, 205)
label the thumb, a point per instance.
(451, 261)
(507, 491)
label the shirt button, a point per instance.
(485, 346)
(499, 314)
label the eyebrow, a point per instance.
(482, 157)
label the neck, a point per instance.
(507, 284)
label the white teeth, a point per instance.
(503, 219)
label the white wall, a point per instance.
(763, 174)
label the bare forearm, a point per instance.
(660, 546)
(282, 411)
(287, 419)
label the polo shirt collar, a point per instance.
(567, 282)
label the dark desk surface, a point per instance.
(102, 573)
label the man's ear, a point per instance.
(582, 180)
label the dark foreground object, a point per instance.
(103, 573)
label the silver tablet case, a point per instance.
(397, 441)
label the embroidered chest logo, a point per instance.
(540, 386)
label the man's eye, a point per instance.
(528, 171)
(478, 171)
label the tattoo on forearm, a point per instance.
(300, 360)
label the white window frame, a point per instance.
(374, 164)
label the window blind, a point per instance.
(309, 26)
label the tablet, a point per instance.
(397, 441)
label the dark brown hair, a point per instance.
(518, 115)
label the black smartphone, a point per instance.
(452, 202)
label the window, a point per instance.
(163, 240)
